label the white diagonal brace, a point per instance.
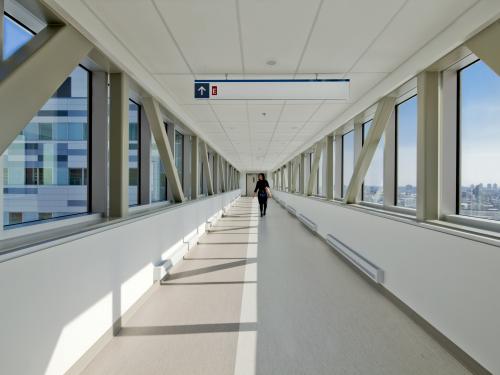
(385, 107)
(155, 120)
(318, 149)
(31, 76)
(206, 167)
(485, 46)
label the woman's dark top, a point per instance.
(261, 186)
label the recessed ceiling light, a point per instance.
(271, 62)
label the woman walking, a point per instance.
(262, 191)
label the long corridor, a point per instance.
(266, 296)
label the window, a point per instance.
(77, 176)
(179, 156)
(38, 162)
(479, 142)
(406, 153)
(15, 36)
(15, 217)
(158, 179)
(347, 159)
(133, 152)
(373, 185)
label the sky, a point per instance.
(480, 125)
(15, 36)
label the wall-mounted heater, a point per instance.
(363, 264)
(272, 89)
(308, 222)
(292, 210)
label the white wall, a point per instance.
(452, 282)
(56, 303)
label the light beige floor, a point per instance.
(265, 296)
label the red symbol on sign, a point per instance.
(214, 90)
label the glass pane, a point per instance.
(373, 185)
(46, 171)
(319, 177)
(406, 153)
(14, 36)
(133, 153)
(479, 142)
(347, 159)
(157, 177)
(179, 155)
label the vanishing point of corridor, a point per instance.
(266, 296)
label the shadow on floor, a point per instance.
(188, 329)
(203, 270)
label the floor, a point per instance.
(266, 296)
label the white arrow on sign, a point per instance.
(201, 89)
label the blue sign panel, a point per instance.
(201, 90)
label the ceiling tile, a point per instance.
(263, 112)
(329, 50)
(275, 30)
(417, 23)
(160, 52)
(231, 112)
(201, 112)
(298, 112)
(207, 33)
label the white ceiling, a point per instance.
(177, 41)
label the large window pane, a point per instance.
(14, 36)
(158, 179)
(479, 194)
(46, 172)
(179, 156)
(373, 185)
(133, 153)
(406, 153)
(347, 160)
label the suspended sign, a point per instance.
(287, 89)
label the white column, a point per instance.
(195, 173)
(207, 169)
(99, 141)
(427, 145)
(329, 167)
(118, 145)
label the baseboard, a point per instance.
(99, 345)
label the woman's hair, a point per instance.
(263, 176)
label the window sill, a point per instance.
(454, 225)
(33, 238)
(30, 228)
